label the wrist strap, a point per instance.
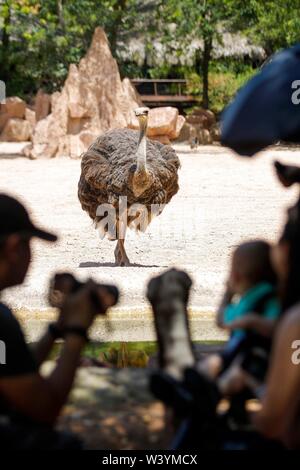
(76, 330)
(55, 331)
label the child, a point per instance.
(249, 302)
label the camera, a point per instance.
(64, 284)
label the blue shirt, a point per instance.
(248, 303)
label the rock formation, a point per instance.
(16, 130)
(93, 100)
(14, 107)
(13, 124)
(42, 105)
(201, 127)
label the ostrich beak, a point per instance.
(143, 119)
(142, 114)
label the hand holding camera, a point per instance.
(79, 302)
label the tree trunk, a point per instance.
(119, 9)
(60, 14)
(205, 70)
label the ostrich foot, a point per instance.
(120, 254)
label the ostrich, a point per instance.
(124, 164)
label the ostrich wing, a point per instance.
(163, 164)
(95, 165)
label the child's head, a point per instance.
(251, 264)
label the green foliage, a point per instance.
(185, 20)
(224, 84)
(129, 354)
(274, 24)
(124, 356)
(39, 39)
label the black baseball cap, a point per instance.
(14, 218)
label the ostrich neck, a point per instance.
(141, 152)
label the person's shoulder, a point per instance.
(6, 316)
(291, 319)
(5, 311)
(4, 308)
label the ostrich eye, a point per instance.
(133, 168)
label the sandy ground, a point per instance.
(223, 199)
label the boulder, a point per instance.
(16, 130)
(74, 145)
(204, 137)
(42, 105)
(202, 117)
(130, 91)
(162, 121)
(194, 137)
(26, 150)
(87, 138)
(30, 117)
(184, 133)
(216, 133)
(14, 107)
(49, 132)
(179, 125)
(4, 117)
(92, 101)
(163, 139)
(81, 102)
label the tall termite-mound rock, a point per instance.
(93, 100)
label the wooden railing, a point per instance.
(163, 92)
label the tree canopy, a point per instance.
(40, 38)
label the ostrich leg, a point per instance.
(120, 253)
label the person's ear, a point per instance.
(11, 247)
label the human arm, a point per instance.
(42, 348)
(226, 300)
(252, 321)
(41, 398)
(279, 402)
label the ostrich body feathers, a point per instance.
(107, 170)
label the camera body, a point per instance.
(103, 296)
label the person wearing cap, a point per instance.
(30, 403)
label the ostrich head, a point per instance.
(142, 115)
(141, 177)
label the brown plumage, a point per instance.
(109, 169)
